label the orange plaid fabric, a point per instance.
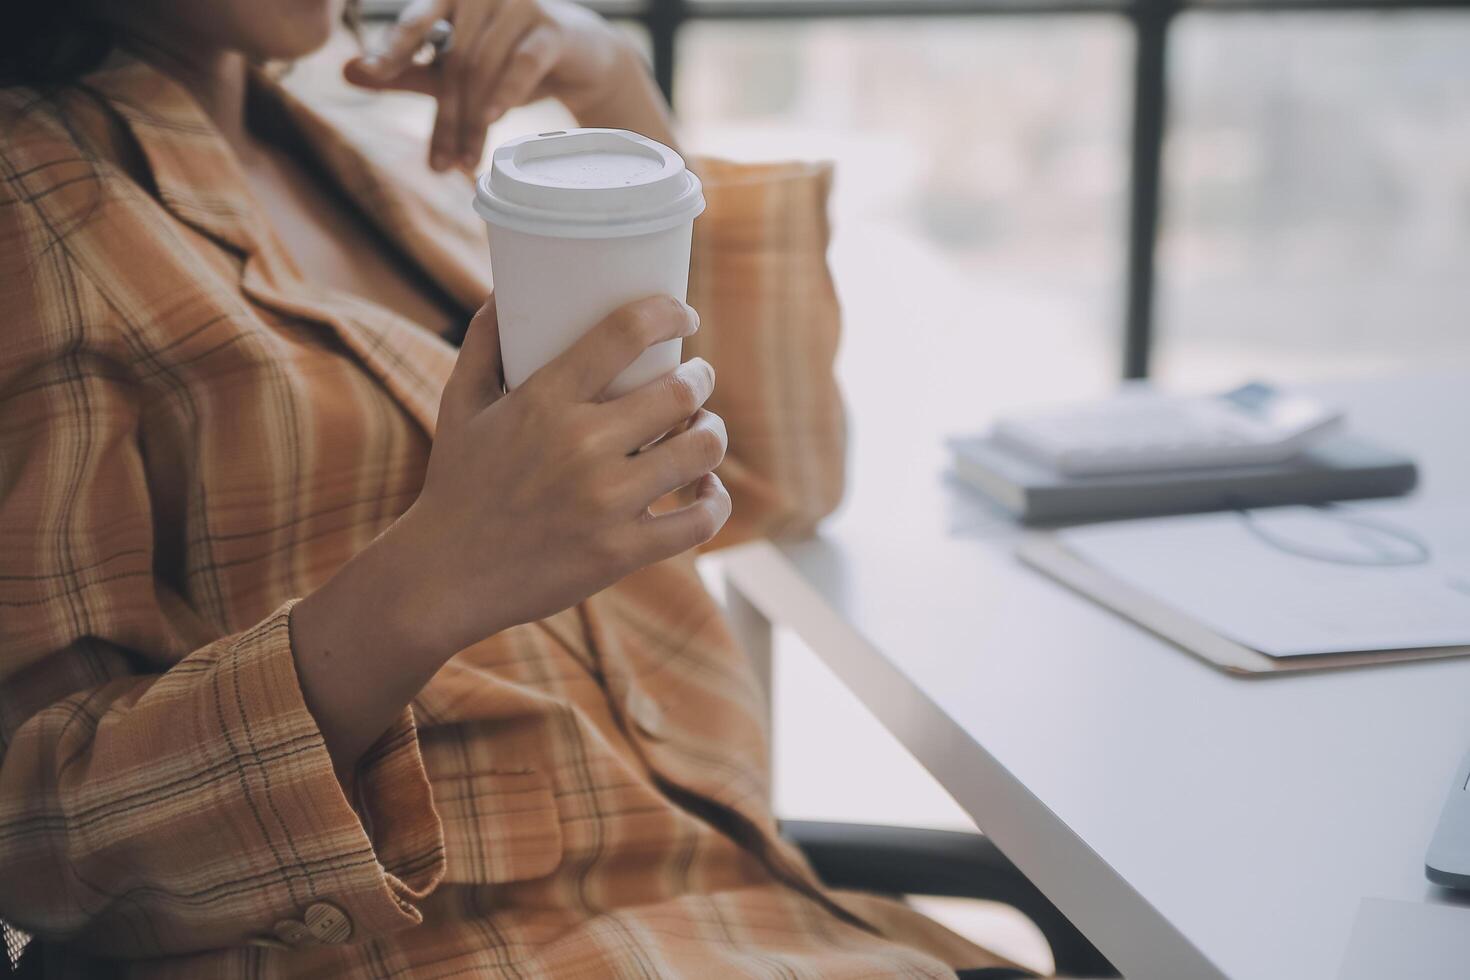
(192, 435)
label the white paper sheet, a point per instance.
(1300, 580)
(1408, 941)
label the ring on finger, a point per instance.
(437, 42)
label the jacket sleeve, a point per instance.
(164, 789)
(769, 325)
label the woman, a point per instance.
(252, 506)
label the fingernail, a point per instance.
(438, 160)
(471, 161)
(706, 368)
(693, 316)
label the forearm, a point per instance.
(631, 101)
(232, 708)
(505, 530)
(361, 654)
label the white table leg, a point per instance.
(1109, 911)
(755, 633)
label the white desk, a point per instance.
(1193, 825)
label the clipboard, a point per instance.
(1048, 554)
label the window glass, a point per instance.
(981, 168)
(1317, 217)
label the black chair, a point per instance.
(894, 861)
(940, 863)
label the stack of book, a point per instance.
(1042, 485)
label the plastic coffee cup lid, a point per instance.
(587, 183)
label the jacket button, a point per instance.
(327, 923)
(292, 932)
(646, 714)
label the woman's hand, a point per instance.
(533, 500)
(536, 499)
(506, 53)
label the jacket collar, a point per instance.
(200, 181)
(428, 215)
(196, 175)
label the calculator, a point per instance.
(1141, 430)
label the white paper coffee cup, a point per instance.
(581, 222)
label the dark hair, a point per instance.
(52, 42)
(50, 46)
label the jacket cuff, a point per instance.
(371, 868)
(764, 206)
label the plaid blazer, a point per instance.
(192, 435)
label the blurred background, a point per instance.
(1204, 193)
(1313, 199)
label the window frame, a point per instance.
(1150, 21)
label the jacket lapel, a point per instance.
(196, 175)
(411, 363)
(427, 215)
(379, 175)
(199, 181)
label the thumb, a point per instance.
(476, 381)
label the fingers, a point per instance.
(452, 70)
(476, 380)
(688, 527)
(585, 369)
(423, 79)
(681, 459)
(528, 68)
(646, 413)
(502, 53)
(493, 47)
(402, 41)
(444, 141)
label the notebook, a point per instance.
(1340, 467)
